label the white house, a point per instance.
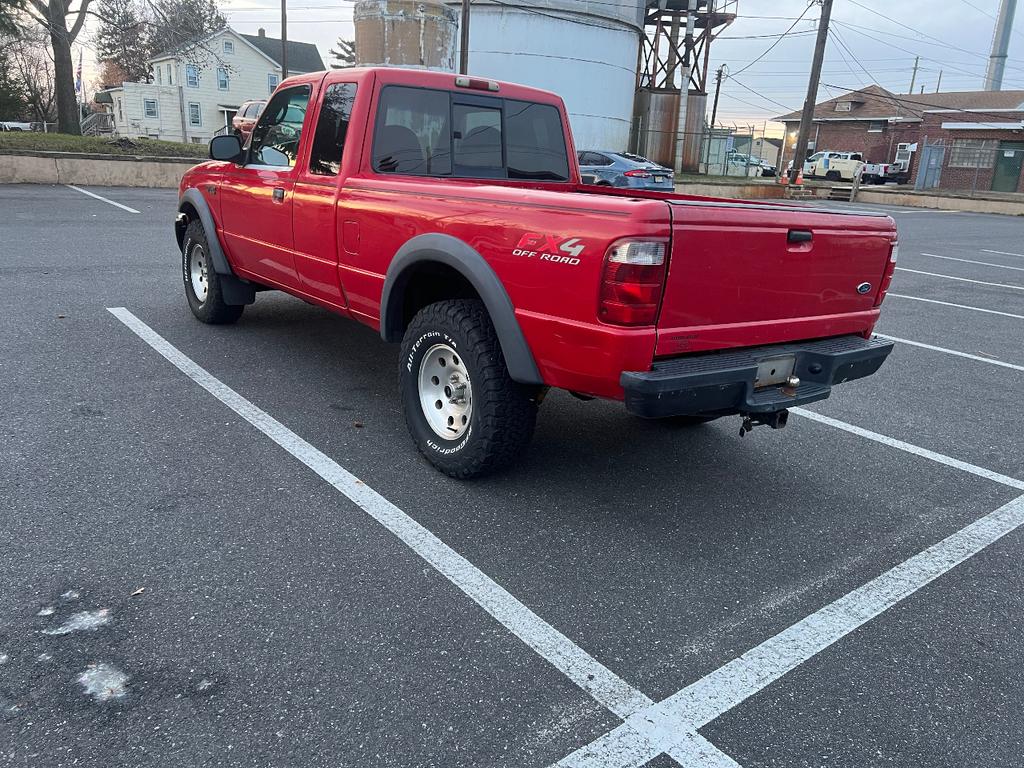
(195, 91)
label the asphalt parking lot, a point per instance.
(221, 547)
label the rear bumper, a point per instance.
(718, 383)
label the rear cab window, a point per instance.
(426, 132)
(331, 129)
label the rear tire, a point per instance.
(463, 410)
(834, 176)
(202, 283)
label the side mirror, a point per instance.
(227, 147)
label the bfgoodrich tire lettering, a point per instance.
(501, 413)
(202, 283)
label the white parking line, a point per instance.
(960, 279)
(980, 359)
(916, 450)
(1003, 253)
(649, 728)
(670, 725)
(958, 306)
(970, 261)
(607, 688)
(100, 197)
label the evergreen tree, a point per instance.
(344, 55)
(122, 39)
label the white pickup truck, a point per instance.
(844, 166)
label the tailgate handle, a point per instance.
(800, 236)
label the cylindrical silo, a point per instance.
(405, 33)
(583, 50)
(657, 115)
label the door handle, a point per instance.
(278, 194)
(800, 236)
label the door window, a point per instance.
(275, 139)
(331, 128)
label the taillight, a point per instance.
(890, 269)
(632, 283)
(638, 174)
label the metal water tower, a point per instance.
(674, 56)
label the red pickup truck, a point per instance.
(448, 212)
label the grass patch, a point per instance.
(100, 145)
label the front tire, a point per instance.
(464, 412)
(202, 283)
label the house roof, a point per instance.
(877, 103)
(103, 97)
(302, 57)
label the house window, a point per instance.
(222, 79)
(844, 106)
(192, 75)
(159, 76)
(170, 80)
(149, 107)
(272, 82)
(120, 112)
(229, 47)
(973, 153)
(195, 114)
(876, 126)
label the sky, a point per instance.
(871, 41)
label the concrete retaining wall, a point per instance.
(92, 170)
(944, 202)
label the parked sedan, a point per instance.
(623, 169)
(245, 118)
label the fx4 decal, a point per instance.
(549, 248)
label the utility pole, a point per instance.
(284, 39)
(714, 115)
(807, 116)
(1000, 46)
(938, 85)
(718, 86)
(913, 77)
(464, 40)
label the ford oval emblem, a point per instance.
(863, 287)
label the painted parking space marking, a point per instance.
(100, 197)
(648, 729)
(970, 261)
(1003, 253)
(604, 686)
(670, 725)
(960, 279)
(958, 306)
(916, 450)
(979, 358)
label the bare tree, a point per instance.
(33, 69)
(62, 24)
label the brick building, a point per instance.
(976, 138)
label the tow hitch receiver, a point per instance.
(775, 420)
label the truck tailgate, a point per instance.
(742, 274)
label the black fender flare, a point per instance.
(234, 289)
(456, 254)
(193, 198)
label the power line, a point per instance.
(772, 46)
(756, 93)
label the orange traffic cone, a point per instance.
(783, 178)
(800, 177)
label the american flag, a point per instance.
(78, 74)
